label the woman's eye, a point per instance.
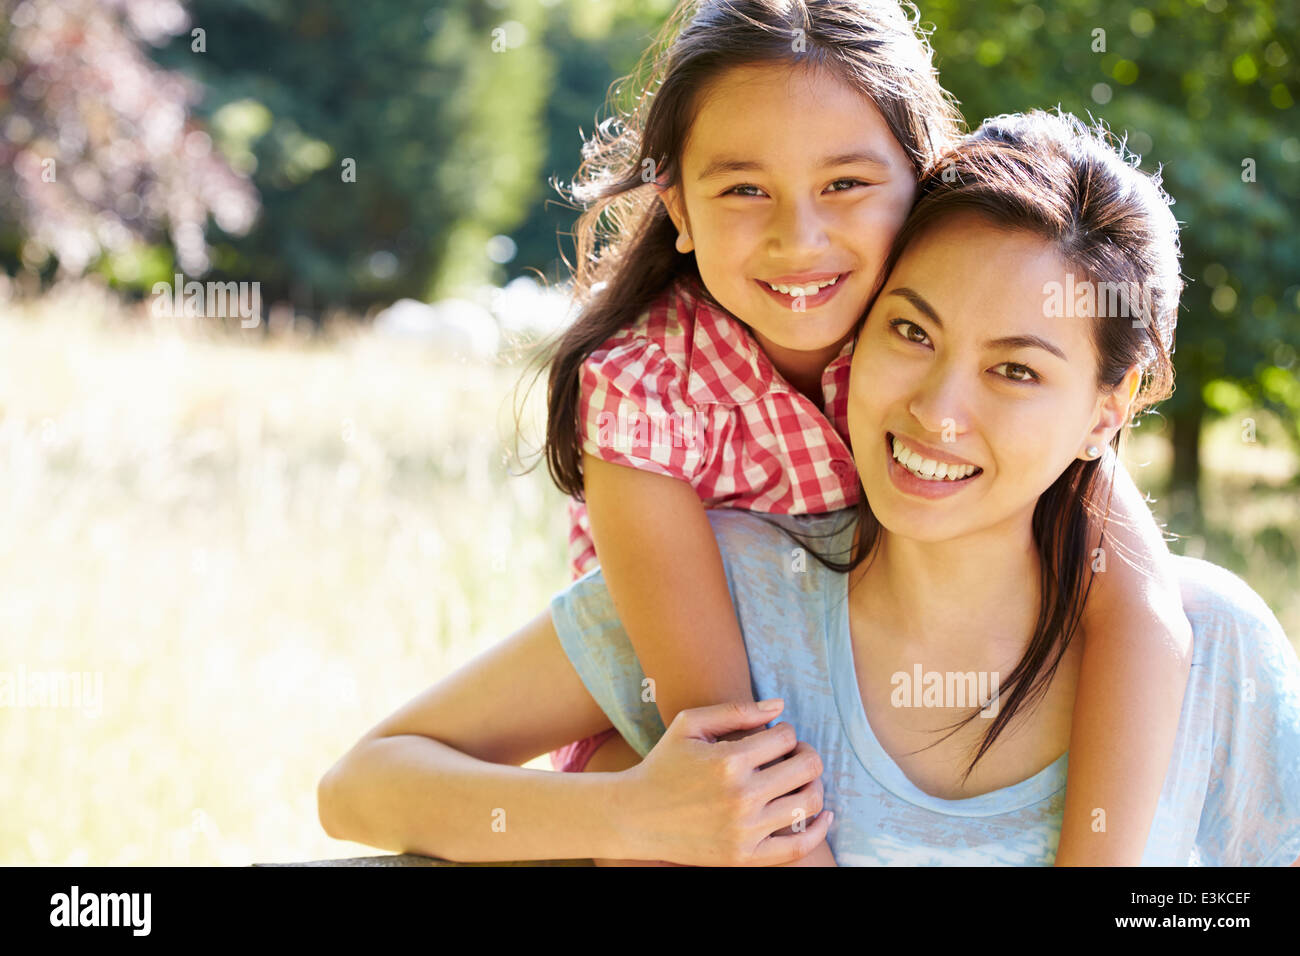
(1018, 373)
(733, 189)
(910, 331)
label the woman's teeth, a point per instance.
(805, 290)
(928, 468)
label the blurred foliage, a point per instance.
(99, 161)
(435, 108)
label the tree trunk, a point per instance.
(1185, 476)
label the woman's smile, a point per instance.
(912, 478)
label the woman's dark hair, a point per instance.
(625, 240)
(1051, 175)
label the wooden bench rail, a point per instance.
(414, 859)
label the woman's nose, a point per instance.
(939, 405)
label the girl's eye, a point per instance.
(733, 189)
(1018, 373)
(855, 182)
(910, 332)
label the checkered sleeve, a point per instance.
(634, 410)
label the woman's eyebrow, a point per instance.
(1022, 341)
(721, 165)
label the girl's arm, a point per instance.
(1132, 675)
(433, 777)
(661, 564)
(664, 572)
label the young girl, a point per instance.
(755, 194)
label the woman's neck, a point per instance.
(943, 595)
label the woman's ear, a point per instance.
(1113, 411)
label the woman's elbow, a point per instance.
(325, 806)
(332, 807)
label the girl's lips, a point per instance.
(910, 484)
(822, 296)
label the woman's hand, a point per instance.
(699, 800)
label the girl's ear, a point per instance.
(1114, 408)
(671, 197)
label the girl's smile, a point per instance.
(806, 295)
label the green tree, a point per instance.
(388, 140)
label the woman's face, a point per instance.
(790, 177)
(961, 362)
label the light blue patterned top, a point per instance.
(1231, 796)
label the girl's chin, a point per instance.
(801, 333)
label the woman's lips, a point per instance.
(821, 297)
(910, 484)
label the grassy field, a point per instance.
(264, 548)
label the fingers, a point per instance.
(802, 766)
(714, 721)
(776, 850)
(765, 746)
(794, 809)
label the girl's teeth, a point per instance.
(929, 468)
(805, 290)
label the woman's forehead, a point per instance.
(975, 275)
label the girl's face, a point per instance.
(961, 361)
(790, 177)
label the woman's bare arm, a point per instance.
(440, 776)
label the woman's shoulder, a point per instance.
(766, 555)
(1226, 614)
(1233, 788)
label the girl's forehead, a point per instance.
(755, 117)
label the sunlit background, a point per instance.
(263, 537)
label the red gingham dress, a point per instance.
(686, 391)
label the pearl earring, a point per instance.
(1093, 451)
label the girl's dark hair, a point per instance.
(626, 252)
(1051, 175)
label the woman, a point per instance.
(1027, 316)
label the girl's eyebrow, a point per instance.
(721, 165)
(1024, 341)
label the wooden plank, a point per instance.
(414, 859)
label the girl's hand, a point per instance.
(699, 800)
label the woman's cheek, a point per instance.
(1024, 437)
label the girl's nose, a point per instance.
(799, 233)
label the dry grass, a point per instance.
(264, 549)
